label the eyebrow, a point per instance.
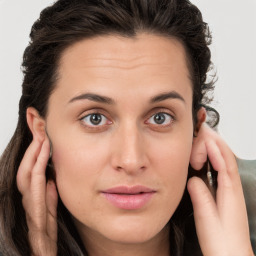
(167, 95)
(93, 97)
(109, 101)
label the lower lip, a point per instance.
(129, 202)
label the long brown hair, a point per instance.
(59, 26)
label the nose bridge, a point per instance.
(130, 153)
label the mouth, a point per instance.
(129, 198)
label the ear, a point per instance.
(201, 117)
(36, 124)
(198, 155)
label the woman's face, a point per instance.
(120, 122)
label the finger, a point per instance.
(230, 161)
(236, 191)
(52, 202)
(198, 155)
(38, 178)
(229, 193)
(202, 200)
(42, 159)
(230, 199)
(26, 165)
(205, 214)
(223, 161)
(215, 156)
(38, 187)
(218, 164)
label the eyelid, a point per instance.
(163, 111)
(160, 110)
(109, 120)
(91, 112)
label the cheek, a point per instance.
(171, 160)
(172, 154)
(78, 165)
(74, 155)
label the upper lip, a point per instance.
(129, 190)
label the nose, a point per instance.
(129, 151)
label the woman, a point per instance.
(112, 94)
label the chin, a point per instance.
(134, 230)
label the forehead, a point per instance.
(146, 64)
(125, 52)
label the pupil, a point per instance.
(95, 119)
(159, 118)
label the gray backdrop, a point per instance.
(233, 24)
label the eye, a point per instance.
(161, 119)
(95, 119)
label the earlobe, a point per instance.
(36, 124)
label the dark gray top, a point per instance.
(247, 170)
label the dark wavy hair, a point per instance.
(61, 25)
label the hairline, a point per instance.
(129, 36)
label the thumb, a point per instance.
(206, 216)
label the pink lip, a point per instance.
(129, 198)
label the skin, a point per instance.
(129, 148)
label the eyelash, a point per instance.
(93, 126)
(166, 116)
(108, 122)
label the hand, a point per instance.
(222, 226)
(39, 199)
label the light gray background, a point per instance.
(233, 24)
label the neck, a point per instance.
(96, 245)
